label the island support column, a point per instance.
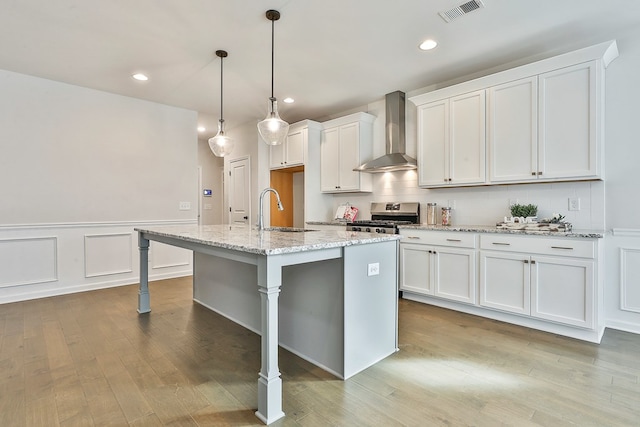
(144, 305)
(269, 381)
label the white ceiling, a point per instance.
(331, 55)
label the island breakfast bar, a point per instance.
(338, 292)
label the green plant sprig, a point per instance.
(524, 210)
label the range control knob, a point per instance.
(368, 230)
(355, 228)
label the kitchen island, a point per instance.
(327, 296)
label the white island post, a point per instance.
(354, 304)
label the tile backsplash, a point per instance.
(486, 205)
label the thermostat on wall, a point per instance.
(206, 192)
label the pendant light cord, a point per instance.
(221, 88)
(272, 55)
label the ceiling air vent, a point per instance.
(463, 9)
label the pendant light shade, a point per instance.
(221, 144)
(273, 129)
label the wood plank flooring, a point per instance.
(89, 359)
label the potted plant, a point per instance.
(528, 213)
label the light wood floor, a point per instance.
(89, 359)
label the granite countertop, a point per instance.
(332, 222)
(592, 234)
(274, 241)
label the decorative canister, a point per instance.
(431, 214)
(446, 216)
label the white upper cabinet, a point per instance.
(451, 135)
(544, 123)
(433, 134)
(467, 139)
(567, 123)
(291, 152)
(513, 131)
(346, 143)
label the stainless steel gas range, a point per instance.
(387, 216)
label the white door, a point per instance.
(415, 268)
(567, 122)
(433, 138)
(329, 173)
(349, 156)
(505, 281)
(467, 139)
(562, 290)
(240, 191)
(513, 131)
(455, 274)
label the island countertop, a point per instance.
(272, 241)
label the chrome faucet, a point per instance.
(260, 213)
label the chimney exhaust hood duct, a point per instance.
(395, 158)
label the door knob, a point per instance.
(245, 217)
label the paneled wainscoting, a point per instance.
(41, 260)
(89, 359)
(622, 280)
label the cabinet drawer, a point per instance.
(539, 245)
(440, 238)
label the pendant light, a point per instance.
(221, 144)
(273, 129)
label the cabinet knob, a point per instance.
(533, 173)
(539, 173)
(450, 179)
(526, 261)
(533, 261)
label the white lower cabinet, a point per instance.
(505, 282)
(443, 271)
(455, 274)
(543, 282)
(521, 278)
(562, 290)
(415, 268)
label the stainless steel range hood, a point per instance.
(395, 158)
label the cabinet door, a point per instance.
(455, 274)
(295, 148)
(329, 145)
(562, 290)
(467, 142)
(505, 282)
(276, 156)
(349, 157)
(433, 137)
(567, 122)
(415, 268)
(513, 131)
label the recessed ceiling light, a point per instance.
(140, 77)
(201, 128)
(428, 44)
(288, 100)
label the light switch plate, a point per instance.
(184, 206)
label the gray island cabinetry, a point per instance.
(328, 296)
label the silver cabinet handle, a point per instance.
(454, 240)
(562, 247)
(413, 237)
(501, 244)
